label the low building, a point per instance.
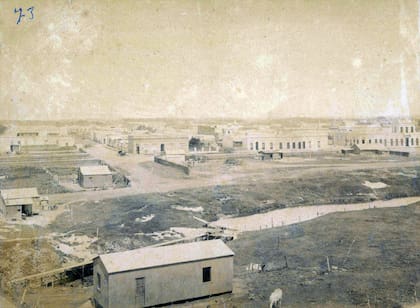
(288, 140)
(95, 177)
(157, 144)
(162, 275)
(19, 202)
(397, 135)
(270, 155)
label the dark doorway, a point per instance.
(140, 292)
(27, 210)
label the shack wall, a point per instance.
(96, 181)
(171, 283)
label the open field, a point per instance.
(89, 222)
(122, 222)
(50, 172)
(373, 256)
(374, 259)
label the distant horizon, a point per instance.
(98, 119)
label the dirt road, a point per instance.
(147, 177)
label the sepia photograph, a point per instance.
(209, 153)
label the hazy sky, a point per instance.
(81, 59)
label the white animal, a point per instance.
(275, 298)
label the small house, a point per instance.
(19, 202)
(95, 177)
(153, 276)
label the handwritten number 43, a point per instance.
(21, 15)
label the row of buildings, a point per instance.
(218, 138)
(17, 140)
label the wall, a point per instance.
(14, 212)
(151, 146)
(172, 283)
(96, 181)
(165, 162)
(100, 295)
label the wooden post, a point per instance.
(328, 264)
(22, 300)
(83, 273)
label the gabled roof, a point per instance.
(95, 170)
(19, 193)
(165, 255)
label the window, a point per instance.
(370, 141)
(280, 145)
(417, 141)
(406, 129)
(363, 141)
(303, 144)
(412, 129)
(206, 274)
(401, 129)
(98, 279)
(392, 142)
(299, 145)
(288, 145)
(402, 141)
(319, 144)
(376, 140)
(271, 145)
(396, 141)
(294, 145)
(263, 146)
(412, 141)
(380, 141)
(251, 146)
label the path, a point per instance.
(288, 216)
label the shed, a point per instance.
(17, 202)
(270, 155)
(162, 275)
(95, 177)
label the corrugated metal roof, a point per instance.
(95, 170)
(166, 255)
(19, 193)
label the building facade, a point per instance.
(149, 276)
(398, 135)
(154, 144)
(287, 141)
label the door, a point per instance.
(140, 292)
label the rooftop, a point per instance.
(165, 255)
(19, 193)
(95, 170)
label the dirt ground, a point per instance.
(92, 222)
(120, 224)
(374, 259)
